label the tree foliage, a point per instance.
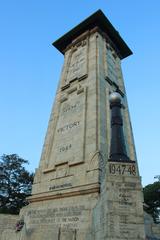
(15, 183)
(152, 199)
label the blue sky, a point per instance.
(30, 69)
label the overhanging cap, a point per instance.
(100, 20)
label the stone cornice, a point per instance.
(74, 191)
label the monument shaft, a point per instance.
(79, 192)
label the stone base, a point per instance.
(114, 214)
(119, 212)
(59, 219)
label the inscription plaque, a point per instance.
(70, 131)
(123, 200)
(78, 63)
(122, 169)
(64, 217)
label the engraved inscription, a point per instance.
(78, 63)
(123, 200)
(68, 127)
(65, 185)
(125, 197)
(111, 225)
(69, 134)
(111, 65)
(66, 217)
(65, 148)
(71, 107)
(122, 169)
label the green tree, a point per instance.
(152, 199)
(15, 183)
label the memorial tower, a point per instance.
(87, 185)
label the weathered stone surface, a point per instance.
(77, 193)
(74, 166)
(8, 226)
(60, 217)
(119, 210)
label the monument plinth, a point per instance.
(81, 191)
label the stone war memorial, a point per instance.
(87, 185)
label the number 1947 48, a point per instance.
(122, 169)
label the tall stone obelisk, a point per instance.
(87, 185)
